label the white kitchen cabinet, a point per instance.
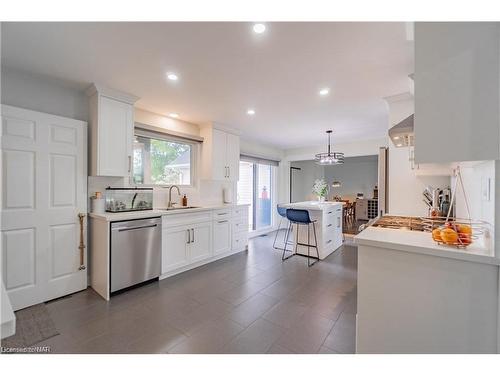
(457, 82)
(175, 248)
(220, 154)
(111, 131)
(222, 236)
(201, 238)
(233, 156)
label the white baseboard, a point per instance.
(201, 263)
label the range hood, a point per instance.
(401, 134)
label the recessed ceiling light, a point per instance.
(324, 91)
(173, 115)
(251, 112)
(172, 76)
(399, 145)
(259, 28)
(396, 138)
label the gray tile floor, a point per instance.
(247, 303)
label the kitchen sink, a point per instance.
(179, 208)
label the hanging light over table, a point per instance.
(329, 158)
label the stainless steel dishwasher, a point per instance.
(135, 252)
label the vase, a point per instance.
(321, 199)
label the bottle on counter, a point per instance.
(184, 201)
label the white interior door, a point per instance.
(44, 188)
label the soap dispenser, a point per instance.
(184, 201)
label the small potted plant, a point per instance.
(320, 188)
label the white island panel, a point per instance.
(328, 217)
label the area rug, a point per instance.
(33, 325)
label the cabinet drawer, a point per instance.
(240, 226)
(239, 240)
(240, 211)
(221, 214)
(186, 218)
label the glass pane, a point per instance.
(263, 199)
(245, 189)
(157, 161)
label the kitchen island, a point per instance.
(328, 216)
(415, 296)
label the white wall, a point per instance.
(404, 187)
(43, 94)
(149, 118)
(479, 185)
(359, 148)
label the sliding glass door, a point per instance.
(256, 188)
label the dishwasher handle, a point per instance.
(134, 228)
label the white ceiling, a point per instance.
(225, 68)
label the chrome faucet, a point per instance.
(170, 204)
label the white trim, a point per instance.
(201, 263)
(111, 93)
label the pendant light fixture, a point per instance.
(329, 158)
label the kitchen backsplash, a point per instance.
(206, 192)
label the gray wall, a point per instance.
(357, 174)
(303, 180)
(43, 94)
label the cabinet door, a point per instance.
(115, 126)
(222, 236)
(456, 91)
(201, 242)
(219, 164)
(233, 157)
(175, 248)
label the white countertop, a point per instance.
(119, 216)
(312, 205)
(8, 327)
(422, 242)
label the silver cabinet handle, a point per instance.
(222, 221)
(192, 231)
(329, 225)
(129, 163)
(134, 228)
(229, 172)
(338, 222)
(328, 241)
(188, 236)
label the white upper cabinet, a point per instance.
(111, 131)
(457, 96)
(220, 155)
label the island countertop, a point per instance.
(421, 242)
(312, 205)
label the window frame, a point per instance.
(170, 138)
(273, 194)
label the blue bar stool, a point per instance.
(282, 213)
(301, 217)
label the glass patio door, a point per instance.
(255, 187)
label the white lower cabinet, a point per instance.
(192, 239)
(175, 248)
(222, 236)
(201, 239)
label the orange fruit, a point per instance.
(465, 229)
(449, 236)
(436, 235)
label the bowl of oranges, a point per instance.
(453, 234)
